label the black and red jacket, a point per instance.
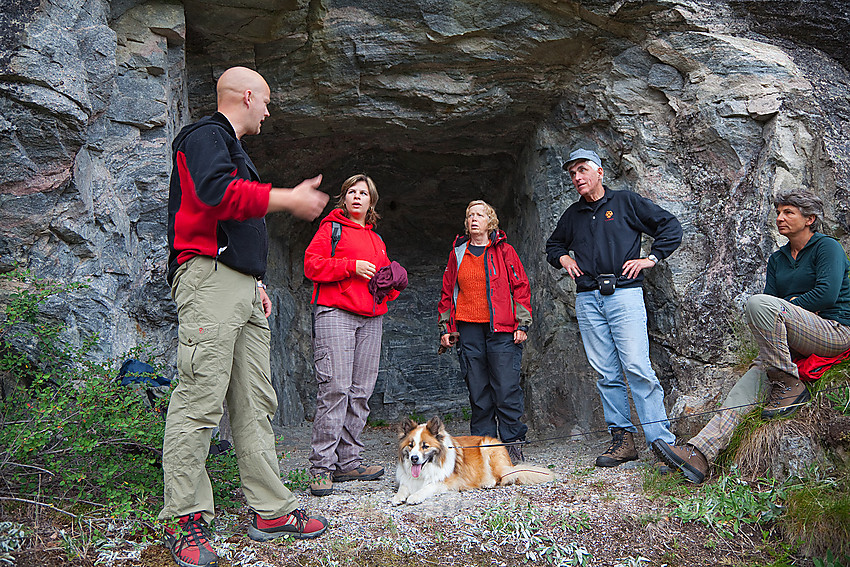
(508, 291)
(216, 204)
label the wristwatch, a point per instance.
(653, 257)
(261, 284)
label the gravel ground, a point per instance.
(600, 516)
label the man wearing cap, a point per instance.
(597, 241)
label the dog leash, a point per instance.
(689, 416)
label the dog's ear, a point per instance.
(406, 427)
(435, 426)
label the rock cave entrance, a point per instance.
(423, 198)
(439, 108)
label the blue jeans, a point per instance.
(613, 329)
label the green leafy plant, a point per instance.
(71, 437)
(831, 561)
(12, 538)
(298, 479)
(730, 502)
(575, 521)
(521, 525)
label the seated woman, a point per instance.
(805, 309)
(487, 300)
(343, 256)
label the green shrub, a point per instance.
(298, 479)
(70, 434)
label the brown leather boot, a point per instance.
(787, 394)
(622, 449)
(687, 459)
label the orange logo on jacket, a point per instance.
(609, 215)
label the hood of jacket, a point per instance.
(336, 215)
(496, 237)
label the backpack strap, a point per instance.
(336, 234)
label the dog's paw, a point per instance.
(417, 498)
(396, 501)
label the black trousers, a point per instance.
(491, 364)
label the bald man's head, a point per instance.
(243, 97)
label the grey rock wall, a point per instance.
(89, 106)
(707, 107)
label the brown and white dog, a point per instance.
(431, 462)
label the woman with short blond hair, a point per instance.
(486, 308)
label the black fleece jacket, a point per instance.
(606, 233)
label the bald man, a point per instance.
(218, 248)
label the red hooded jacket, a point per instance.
(508, 292)
(335, 280)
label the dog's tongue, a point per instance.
(415, 470)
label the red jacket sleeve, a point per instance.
(444, 307)
(209, 172)
(520, 288)
(319, 265)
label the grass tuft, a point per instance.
(818, 512)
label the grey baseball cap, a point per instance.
(583, 155)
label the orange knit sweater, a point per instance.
(472, 290)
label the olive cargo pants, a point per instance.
(223, 353)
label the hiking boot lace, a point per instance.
(616, 443)
(778, 393)
(197, 535)
(301, 519)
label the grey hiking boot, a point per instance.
(515, 450)
(622, 449)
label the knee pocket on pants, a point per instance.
(193, 342)
(322, 365)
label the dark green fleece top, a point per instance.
(817, 280)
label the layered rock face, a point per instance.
(440, 103)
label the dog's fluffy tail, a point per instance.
(525, 473)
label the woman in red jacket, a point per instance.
(347, 322)
(487, 300)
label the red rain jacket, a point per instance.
(508, 292)
(335, 281)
